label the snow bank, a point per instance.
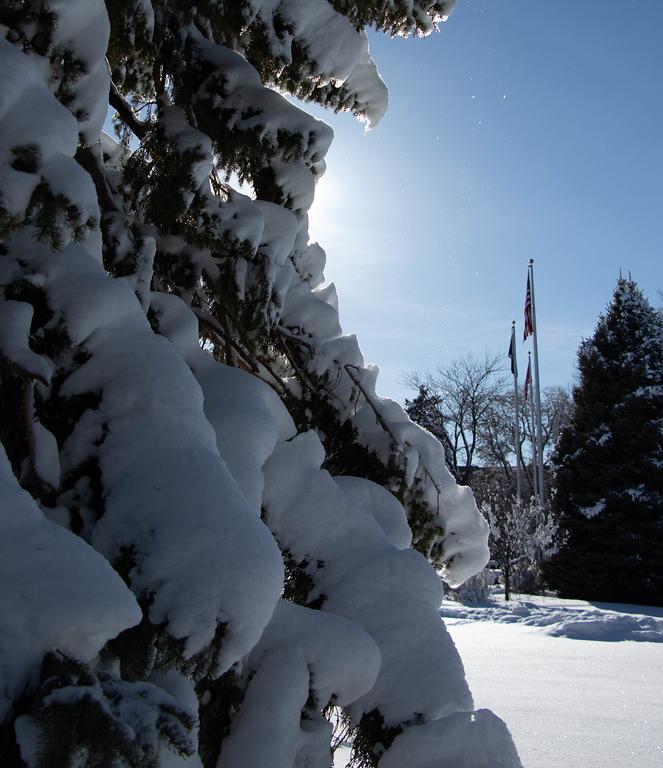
(558, 621)
(595, 625)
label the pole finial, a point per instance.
(513, 322)
(531, 261)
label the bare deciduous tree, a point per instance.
(464, 391)
(469, 406)
(496, 443)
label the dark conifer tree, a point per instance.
(609, 500)
(426, 411)
(204, 540)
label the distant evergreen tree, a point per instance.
(426, 411)
(609, 459)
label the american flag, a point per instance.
(528, 379)
(529, 326)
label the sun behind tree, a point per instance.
(188, 579)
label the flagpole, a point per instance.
(537, 390)
(532, 426)
(516, 423)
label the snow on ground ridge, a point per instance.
(578, 623)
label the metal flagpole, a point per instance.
(516, 423)
(535, 463)
(537, 389)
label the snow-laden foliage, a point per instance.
(207, 509)
(609, 500)
(521, 540)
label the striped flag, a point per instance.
(529, 325)
(512, 353)
(528, 379)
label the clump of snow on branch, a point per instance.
(179, 543)
(59, 592)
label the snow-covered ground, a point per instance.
(579, 685)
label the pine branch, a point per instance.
(223, 337)
(140, 127)
(88, 160)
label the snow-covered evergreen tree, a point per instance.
(205, 544)
(609, 499)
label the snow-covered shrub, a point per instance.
(208, 511)
(522, 533)
(521, 541)
(476, 589)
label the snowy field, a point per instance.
(579, 685)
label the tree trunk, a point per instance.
(506, 572)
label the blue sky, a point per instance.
(524, 129)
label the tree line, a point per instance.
(598, 531)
